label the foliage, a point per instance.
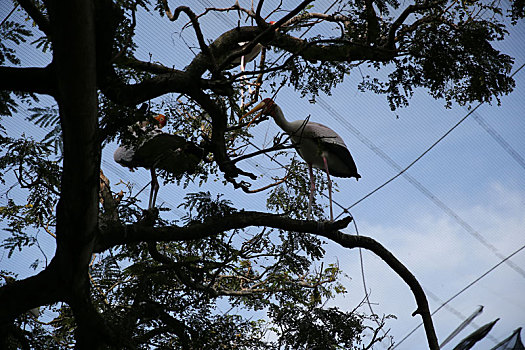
(11, 33)
(14, 33)
(243, 287)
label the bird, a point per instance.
(320, 146)
(159, 150)
(245, 59)
(250, 56)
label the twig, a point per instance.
(194, 21)
(280, 181)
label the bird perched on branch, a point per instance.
(318, 145)
(250, 56)
(159, 150)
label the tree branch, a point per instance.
(41, 21)
(32, 80)
(196, 26)
(123, 234)
(351, 241)
(133, 94)
(136, 233)
(218, 146)
(404, 15)
(20, 296)
(134, 63)
(277, 147)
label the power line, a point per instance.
(400, 170)
(499, 139)
(9, 15)
(463, 290)
(418, 185)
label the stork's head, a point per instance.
(266, 107)
(161, 118)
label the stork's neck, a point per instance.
(280, 120)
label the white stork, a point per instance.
(160, 150)
(244, 60)
(250, 56)
(318, 145)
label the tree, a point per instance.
(157, 281)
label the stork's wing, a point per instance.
(341, 163)
(319, 131)
(171, 153)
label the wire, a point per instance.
(376, 150)
(418, 185)
(463, 290)
(499, 139)
(9, 15)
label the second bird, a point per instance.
(317, 144)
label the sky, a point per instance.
(451, 218)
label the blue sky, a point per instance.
(468, 186)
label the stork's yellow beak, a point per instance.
(260, 106)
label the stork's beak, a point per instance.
(260, 106)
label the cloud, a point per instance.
(446, 258)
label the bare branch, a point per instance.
(196, 26)
(350, 241)
(338, 18)
(121, 234)
(262, 151)
(258, 17)
(276, 183)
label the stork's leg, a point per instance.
(154, 188)
(329, 188)
(242, 90)
(312, 191)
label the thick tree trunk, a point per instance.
(73, 83)
(74, 55)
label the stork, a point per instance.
(160, 150)
(250, 56)
(320, 146)
(245, 59)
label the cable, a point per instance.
(9, 15)
(389, 160)
(499, 139)
(403, 170)
(462, 290)
(418, 185)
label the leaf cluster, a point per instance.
(34, 171)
